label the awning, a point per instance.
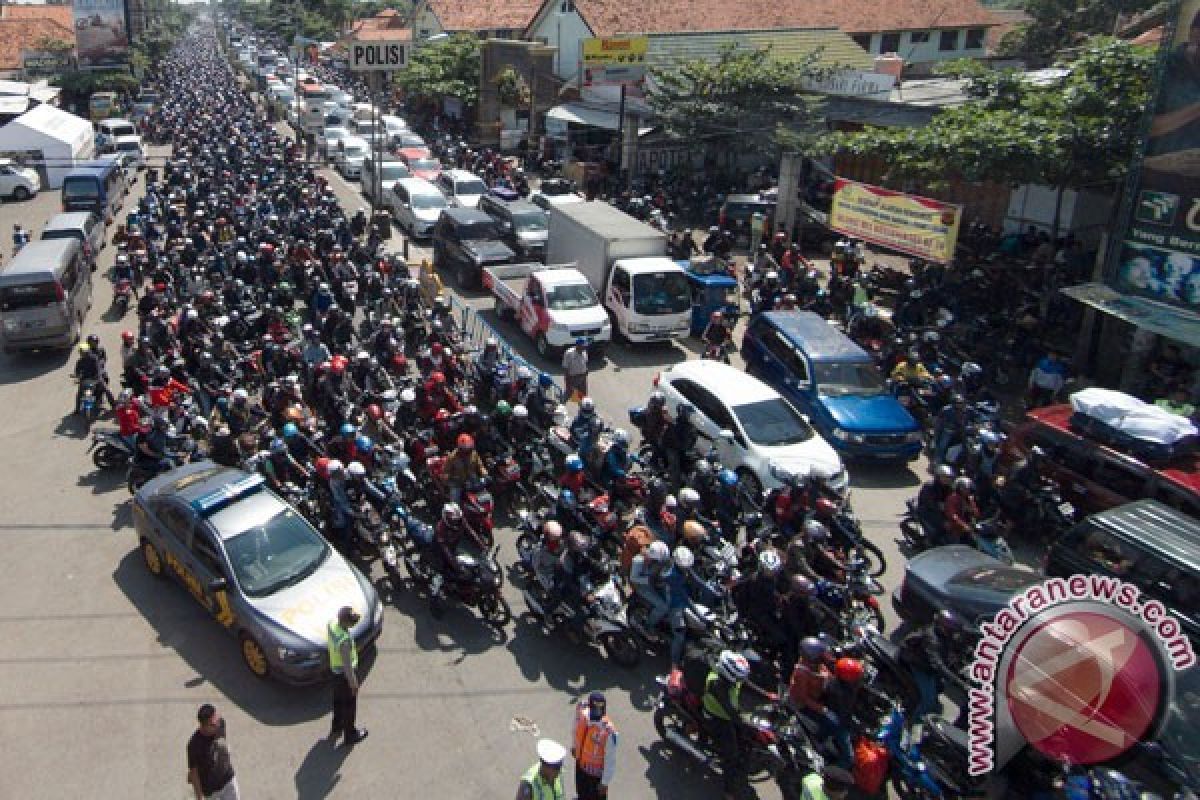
(1165, 320)
(584, 115)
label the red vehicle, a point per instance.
(420, 164)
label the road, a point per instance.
(104, 666)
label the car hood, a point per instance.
(594, 316)
(816, 452)
(426, 174)
(533, 237)
(307, 608)
(469, 200)
(488, 250)
(880, 413)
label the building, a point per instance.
(919, 31)
(21, 28)
(504, 20)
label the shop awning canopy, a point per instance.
(1175, 323)
(587, 115)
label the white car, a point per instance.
(462, 189)
(328, 138)
(130, 148)
(770, 440)
(17, 182)
(416, 205)
(350, 157)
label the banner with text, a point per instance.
(915, 225)
(101, 33)
(616, 61)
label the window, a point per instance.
(782, 351)
(566, 6)
(974, 39)
(176, 521)
(919, 37)
(1109, 553)
(206, 553)
(863, 40)
(622, 286)
(948, 40)
(889, 43)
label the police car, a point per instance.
(254, 563)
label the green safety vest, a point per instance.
(337, 635)
(541, 789)
(711, 704)
(813, 788)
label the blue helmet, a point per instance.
(727, 477)
(346, 430)
(364, 443)
(567, 498)
(544, 379)
(290, 430)
(574, 463)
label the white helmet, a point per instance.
(587, 404)
(356, 470)
(241, 395)
(335, 466)
(770, 562)
(732, 666)
(658, 552)
(684, 558)
(621, 436)
(689, 496)
(520, 412)
(524, 373)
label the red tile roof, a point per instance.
(21, 34)
(60, 14)
(473, 15)
(610, 17)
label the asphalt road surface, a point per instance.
(103, 666)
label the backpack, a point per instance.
(635, 540)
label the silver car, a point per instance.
(256, 565)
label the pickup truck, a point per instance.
(554, 305)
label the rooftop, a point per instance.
(472, 15)
(17, 34)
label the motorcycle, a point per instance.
(89, 407)
(109, 450)
(477, 582)
(718, 352)
(601, 622)
(122, 296)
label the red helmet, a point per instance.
(375, 412)
(849, 670)
(442, 415)
(400, 362)
(337, 367)
(321, 465)
(436, 349)
(160, 287)
(465, 442)
(127, 337)
(438, 378)
(825, 508)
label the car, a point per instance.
(1094, 476)
(465, 240)
(386, 174)
(350, 155)
(85, 227)
(961, 579)
(19, 183)
(737, 211)
(554, 192)
(423, 167)
(366, 129)
(770, 439)
(522, 224)
(461, 188)
(410, 145)
(255, 564)
(328, 138)
(108, 130)
(832, 380)
(416, 205)
(131, 149)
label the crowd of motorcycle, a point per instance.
(274, 334)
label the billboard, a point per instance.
(101, 33)
(1159, 252)
(615, 61)
(915, 225)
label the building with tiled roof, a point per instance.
(63, 15)
(18, 35)
(503, 19)
(388, 25)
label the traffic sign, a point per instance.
(378, 56)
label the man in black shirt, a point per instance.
(210, 771)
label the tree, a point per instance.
(746, 98)
(444, 68)
(1056, 25)
(1079, 130)
(511, 89)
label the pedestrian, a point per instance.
(210, 771)
(343, 661)
(20, 238)
(543, 780)
(575, 369)
(594, 748)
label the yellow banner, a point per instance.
(615, 51)
(915, 225)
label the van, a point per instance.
(45, 294)
(385, 174)
(85, 227)
(1150, 545)
(416, 205)
(98, 186)
(109, 130)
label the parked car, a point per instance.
(770, 438)
(465, 240)
(961, 579)
(85, 227)
(410, 145)
(389, 173)
(328, 138)
(19, 183)
(523, 225)
(416, 205)
(1093, 476)
(832, 380)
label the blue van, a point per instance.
(98, 186)
(832, 380)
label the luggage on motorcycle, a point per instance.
(635, 540)
(870, 765)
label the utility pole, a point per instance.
(789, 188)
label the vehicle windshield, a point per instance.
(80, 189)
(1178, 738)
(847, 377)
(469, 188)
(530, 220)
(122, 130)
(571, 298)
(394, 172)
(411, 141)
(354, 151)
(424, 163)
(656, 293)
(772, 423)
(280, 553)
(428, 201)
(129, 147)
(30, 295)
(1003, 580)
(336, 133)
(479, 231)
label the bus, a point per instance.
(313, 97)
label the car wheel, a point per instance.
(153, 560)
(21, 194)
(254, 656)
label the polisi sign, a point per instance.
(378, 56)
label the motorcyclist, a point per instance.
(810, 692)
(788, 505)
(280, 467)
(573, 478)
(580, 571)
(462, 467)
(929, 652)
(618, 460)
(154, 450)
(802, 615)
(448, 536)
(950, 426)
(961, 512)
(910, 371)
(681, 441)
(586, 427)
(657, 420)
(813, 555)
(648, 577)
(721, 713)
(541, 401)
(717, 333)
(88, 369)
(128, 414)
(758, 597)
(931, 502)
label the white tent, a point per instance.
(50, 139)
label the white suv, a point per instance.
(462, 188)
(17, 182)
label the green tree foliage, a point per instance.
(512, 89)
(444, 68)
(1056, 25)
(1078, 130)
(746, 99)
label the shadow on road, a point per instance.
(883, 475)
(103, 481)
(72, 425)
(320, 772)
(673, 776)
(21, 367)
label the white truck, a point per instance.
(553, 305)
(646, 295)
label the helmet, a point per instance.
(658, 552)
(621, 436)
(693, 531)
(670, 502)
(970, 370)
(963, 484)
(727, 477)
(715, 316)
(278, 447)
(587, 404)
(438, 378)
(364, 443)
(815, 530)
(732, 666)
(356, 470)
(552, 535)
(579, 542)
(848, 670)
(375, 412)
(949, 623)
(825, 508)
(770, 562)
(502, 409)
(465, 442)
(657, 398)
(83, 348)
(491, 343)
(801, 586)
(290, 430)
(127, 337)
(944, 473)
(125, 396)
(520, 412)
(335, 466)
(321, 465)
(574, 463)
(240, 395)
(566, 498)
(812, 648)
(346, 430)
(683, 557)
(689, 496)
(436, 349)
(544, 379)
(524, 373)
(703, 468)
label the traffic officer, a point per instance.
(543, 780)
(594, 747)
(343, 661)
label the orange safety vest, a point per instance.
(590, 740)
